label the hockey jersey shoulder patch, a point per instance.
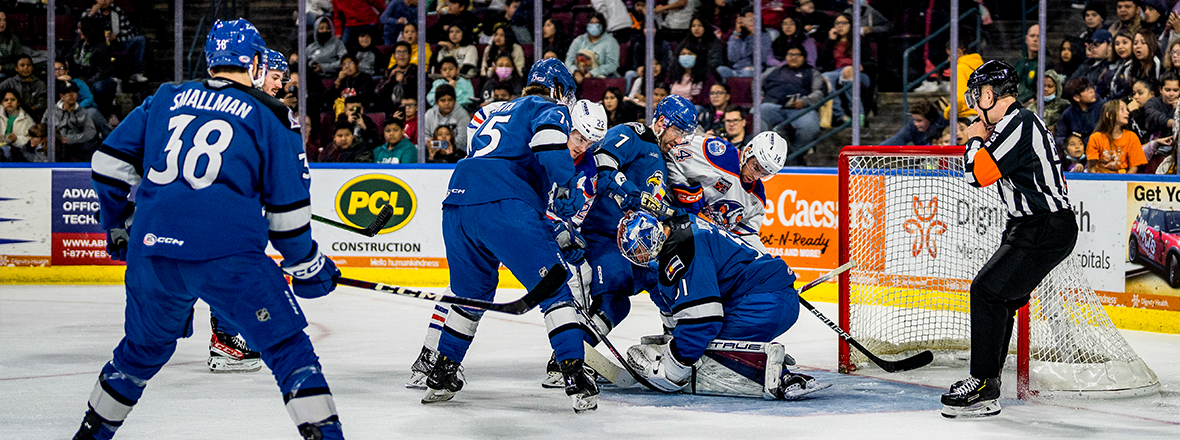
(722, 155)
(680, 248)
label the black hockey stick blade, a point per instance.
(376, 226)
(552, 281)
(330, 222)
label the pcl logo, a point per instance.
(360, 200)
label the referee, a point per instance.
(1010, 146)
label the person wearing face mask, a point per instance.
(325, 50)
(602, 44)
(503, 75)
(503, 44)
(689, 75)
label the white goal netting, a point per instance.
(919, 234)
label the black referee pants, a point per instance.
(1030, 248)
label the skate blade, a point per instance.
(986, 408)
(584, 404)
(798, 394)
(417, 381)
(555, 380)
(436, 396)
(234, 366)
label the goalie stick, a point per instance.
(552, 281)
(376, 226)
(916, 361)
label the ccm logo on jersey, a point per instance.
(151, 239)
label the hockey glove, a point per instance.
(691, 198)
(569, 241)
(117, 239)
(567, 200)
(659, 367)
(314, 276)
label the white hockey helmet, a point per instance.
(589, 118)
(769, 150)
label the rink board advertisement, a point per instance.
(47, 219)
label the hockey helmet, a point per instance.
(769, 151)
(550, 72)
(998, 74)
(235, 43)
(275, 60)
(678, 112)
(640, 238)
(589, 118)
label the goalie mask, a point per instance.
(640, 238)
(769, 151)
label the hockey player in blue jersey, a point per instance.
(209, 157)
(630, 166)
(494, 213)
(228, 350)
(708, 285)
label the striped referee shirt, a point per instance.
(1020, 155)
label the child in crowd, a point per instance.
(449, 68)
(1113, 148)
(442, 147)
(1075, 153)
(396, 149)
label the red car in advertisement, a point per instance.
(1155, 241)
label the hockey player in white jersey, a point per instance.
(709, 176)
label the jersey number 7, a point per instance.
(200, 146)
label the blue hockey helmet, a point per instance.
(640, 238)
(235, 43)
(275, 60)
(678, 112)
(551, 72)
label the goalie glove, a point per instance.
(569, 241)
(314, 276)
(659, 367)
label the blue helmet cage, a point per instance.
(640, 238)
(678, 112)
(550, 72)
(236, 43)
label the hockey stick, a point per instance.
(376, 226)
(910, 363)
(544, 289)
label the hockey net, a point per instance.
(919, 234)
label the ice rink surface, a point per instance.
(56, 338)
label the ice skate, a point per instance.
(555, 379)
(579, 385)
(421, 369)
(797, 385)
(971, 398)
(229, 354)
(444, 380)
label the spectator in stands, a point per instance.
(350, 82)
(317, 8)
(503, 44)
(968, 62)
(1128, 17)
(637, 89)
(351, 17)
(1071, 55)
(410, 36)
(325, 51)
(1161, 110)
(442, 148)
(366, 54)
(813, 22)
(714, 12)
(925, 125)
(77, 137)
(1075, 153)
(10, 48)
(1155, 17)
(1082, 114)
(408, 111)
(618, 110)
(944, 137)
(1170, 31)
(1097, 59)
(735, 128)
(395, 16)
(552, 38)
(346, 147)
(35, 150)
(1145, 65)
(873, 23)
(1171, 57)
(787, 90)
(400, 80)
(363, 126)
(121, 34)
(690, 75)
(61, 71)
(1026, 66)
(1118, 78)
(1111, 149)
(32, 90)
(740, 48)
(1055, 105)
(452, 13)
(15, 123)
(1141, 93)
(459, 47)
(1095, 18)
(702, 36)
(711, 118)
(835, 60)
(90, 60)
(673, 19)
(446, 112)
(792, 35)
(585, 61)
(464, 92)
(504, 74)
(494, 19)
(604, 46)
(396, 149)
(501, 92)
(618, 19)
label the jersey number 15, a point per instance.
(200, 146)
